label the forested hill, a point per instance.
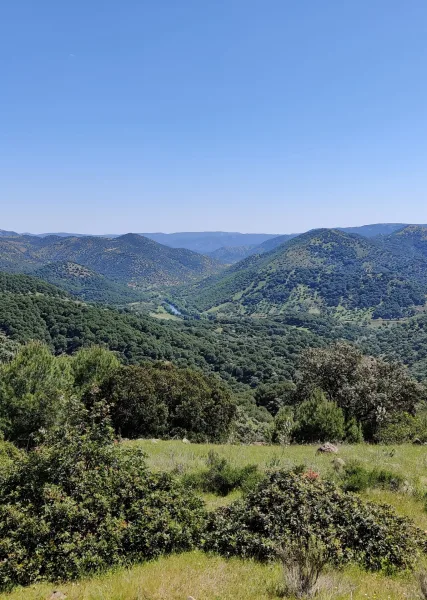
(86, 284)
(322, 270)
(244, 351)
(129, 259)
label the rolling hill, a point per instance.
(322, 270)
(129, 259)
(86, 284)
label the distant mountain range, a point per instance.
(226, 247)
(375, 271)
(129, 259)
(323, 270)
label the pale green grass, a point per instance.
(406, 460)
(213, 578)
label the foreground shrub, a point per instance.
(287, 506)
(222, 478)
(78, 503)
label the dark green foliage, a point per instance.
(353, 432)
(288, 507)
(34, 387)
(24, 284)
(318, 420)
(274, 396)
(357, 478)
(221, 478)
(368, 389)
(162, 400)
(91, 367)
(150, 400)
(78, 503)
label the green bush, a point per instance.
(287, 507)
(318, 420)
(34, 387)
(221, 478)
(283, 426)
(162, 400)
(357, 478)
(79, 503)
(353, 432)
(403, 429)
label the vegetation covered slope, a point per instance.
(321, 270)
(86, 284)
(130, 258)
(242, 351)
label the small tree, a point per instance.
(283, 426)
(34, 387)
(319, 420)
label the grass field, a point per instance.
(207, 577)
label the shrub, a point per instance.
(34, 386)
(403, 429)
(78, 503)
(287, 506)
(283, 426)
(357, 478)
(222, 478)
(353, 432)
(302, 562)
(274, 396)
(318, 420)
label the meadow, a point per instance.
(209, 577)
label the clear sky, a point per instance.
(234, 115)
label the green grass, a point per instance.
(206, 577)
(406, 460)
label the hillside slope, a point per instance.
(317, 271)
(86, 284)
(130, 259)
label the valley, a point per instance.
(161, 394)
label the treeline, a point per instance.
(338, 394)
(37, 390)
(341, 394)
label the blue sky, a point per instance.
(233, 115)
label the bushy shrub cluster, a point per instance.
(78, 503)
(289, 506)
(222, 478)
(357, 478)
(161, 400)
